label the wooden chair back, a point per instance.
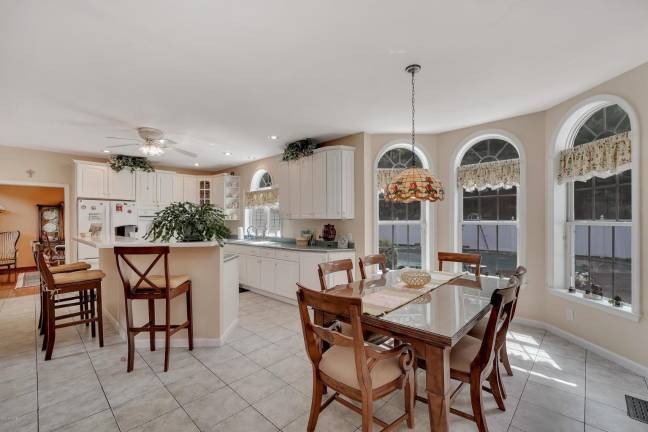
(501, 308)
(47, 280)
(326, 268)
(377, 259)
(520, 274)
(9, 244)
(465, 258)
(313, 333)
(157, 252)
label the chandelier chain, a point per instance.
(413, 118)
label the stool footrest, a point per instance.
(159, 328)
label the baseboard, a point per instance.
(270, 295)
(631, 365)
(18, 270)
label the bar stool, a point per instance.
(153, 287)
(81, 282)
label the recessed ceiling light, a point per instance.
(106, 151)
(273, 137)
(212, 144)
(196, 164)
(251, 157)
(227, 153)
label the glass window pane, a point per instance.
(489, 208)
(487, 235)
(601, 258)
(507, 238)
(470, 209)
(386, 244)
(488, 192)
(384, 208)
(414, 210)
(623, 263)
(625, 176)
(469, 238)
(583, 204)
(605, 203)
(605, 181)
(581, 247)
(399, 211)
(508, 207)
(625, 202)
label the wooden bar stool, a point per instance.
(464, 258)
(153, 287)
(56, 285)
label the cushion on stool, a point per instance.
(174, 281)
(65, 268)
(78, 276)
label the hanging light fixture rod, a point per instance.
(413, 69)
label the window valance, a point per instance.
(261, 198)
(499, 174)
(600, 158)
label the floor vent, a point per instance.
(637, 408)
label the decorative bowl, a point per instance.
(415, 278)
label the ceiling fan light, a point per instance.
(151, 150)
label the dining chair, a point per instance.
(377, 259)
(465, 258)
(479, 330)
(327, 268)
(56, 286)
(55, 254)
(151, 287)
(352, 367)
(474, 361)
(9, 251)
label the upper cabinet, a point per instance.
(146, 189)
(164, 187)
(226, 190)
(205, 190)
(185, 188)
(121, 185)
(322, 186)
(91, 180)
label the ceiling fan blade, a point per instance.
(185, 152)
(123, 145)
(122, 138)
(165, 142)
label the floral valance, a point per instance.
(499, 174)
(600, 158)
(261, 198)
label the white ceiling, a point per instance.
(222, 75)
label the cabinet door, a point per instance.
(348, 185)
(92, 181)
(164, 185)
(295, 190)
(268, 275)
(121, 185)
(306, 187)
(319, 185)
(178, 188)
(308, 262)
(190, 189)
(253, 270)
(287, 276)
(146, 189)
(333, 184)
(205, 191)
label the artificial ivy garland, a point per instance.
(299, 149)
(119, 162)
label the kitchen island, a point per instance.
(214, 280)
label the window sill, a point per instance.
(623, 311)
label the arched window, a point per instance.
(488, 192)
(600, 218)
(402, 231)
(262, 219)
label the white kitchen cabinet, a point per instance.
(226, 195)
(333, 184)
(190, 189)
(91, 180)
(146, 191)
(178, 188)
(205, 190)
(294, 174)
(253, 270)
(319, 185)
(347, 186)
(339, 277)
(164, 187)
(121, 185)
(306, 188)
(286, 277)
(308, 262)
(268, 275)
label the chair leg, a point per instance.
(51, 328)
(190, 319)
(93, 327)
(167, 335)
(367, 413)
(151, 311)
(477, 403)
(505, 359)
(130, 336)
(44, 311)
(100, 315)
(495, 386)
(499, 378)
(410, 396)
(316, 404)
(86, 299)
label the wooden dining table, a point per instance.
(432, 323)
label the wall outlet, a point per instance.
(569, 314)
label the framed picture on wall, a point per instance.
(50, 222)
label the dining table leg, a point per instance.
(437, 386)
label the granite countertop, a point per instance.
(286, 246)
(135, 242)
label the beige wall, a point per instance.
(22, 215)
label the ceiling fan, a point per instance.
(152, 143)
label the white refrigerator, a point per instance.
(93, 222)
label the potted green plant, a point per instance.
(616, 301)
(119, 162)
(299, 149)
(188, 222)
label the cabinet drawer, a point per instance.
(266, 252)
(287, 255)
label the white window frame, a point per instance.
(560, 244)
(428, 242)
(254, 186)
(457, 192)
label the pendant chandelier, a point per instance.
(414, 184)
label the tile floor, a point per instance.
(260, 381)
